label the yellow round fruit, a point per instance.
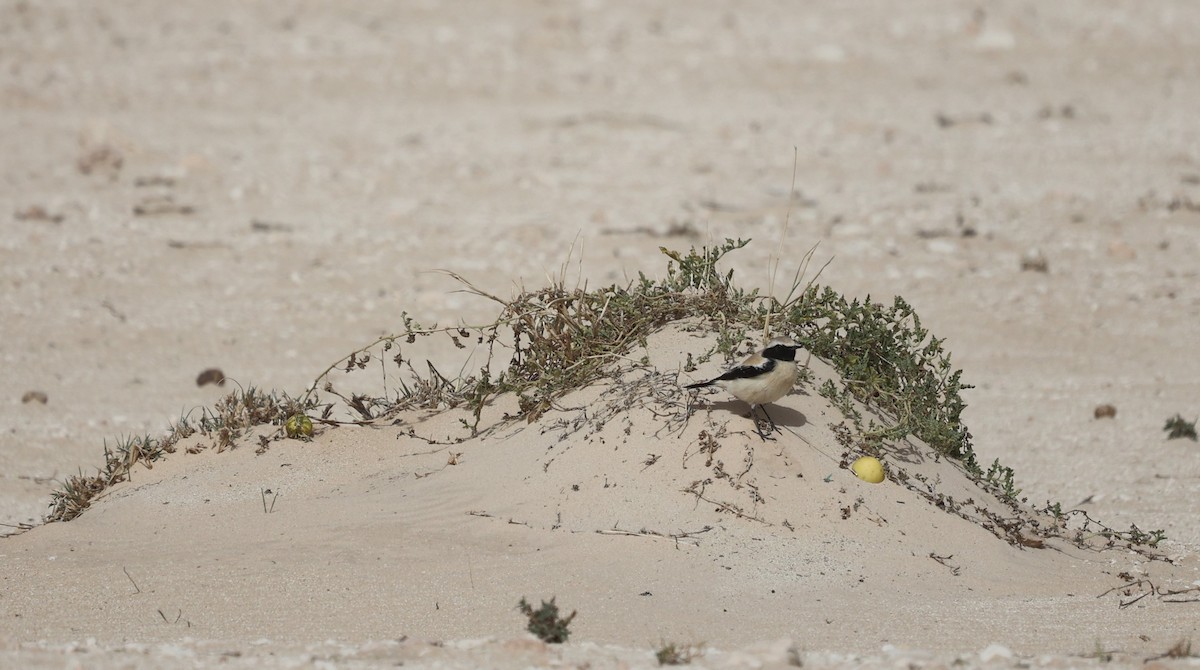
(298, 425)
(868, 469)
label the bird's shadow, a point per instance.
(783, 416)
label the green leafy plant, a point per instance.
(1001, 477)
(1136, 536)
(562, 339)
(888, 361)
(1177, 427)
(545, 623)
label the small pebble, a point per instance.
(995, 651)
(1120, 250)
(211, 376)
(35, 396)
(1034, 261)
(1105, 411)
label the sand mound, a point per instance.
(657, 514)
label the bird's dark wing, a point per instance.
(743, 371)
(753, 366)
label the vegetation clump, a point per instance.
(545, 623)
(561, 339)
(558, 339)
(669, 653)
(887, 360)
(228, 420)
(1177, 427)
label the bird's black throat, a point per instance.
(780, 352)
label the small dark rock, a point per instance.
(35, 396)
(211, 376)
(1034, 261)
(37, 213)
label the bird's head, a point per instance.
(781, 349)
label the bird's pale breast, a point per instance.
(765, 389)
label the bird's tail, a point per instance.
(698, 386)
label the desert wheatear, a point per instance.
(760, 379)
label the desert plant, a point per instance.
(545, 623)
(1001, 477)
(669, 653)
(887, 360)
(224, 423)
(1177, 427)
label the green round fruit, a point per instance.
(298, 425)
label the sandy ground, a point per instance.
(264, 188)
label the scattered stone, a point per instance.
(1105, 411)
(781, 653)
(1183, 203)
(260, 226)
(1016, 77)
(1120, 250)
(829, 53)
(37, 213)
(994, 652)
(1034, 261)
(164, 204)
(946, 121)
(995, 40)
(35, 396)
(942, 246)
(930, 233)
(211, 376)
(102, 159)
(154, 180)
(1060, 112)
(932, 187)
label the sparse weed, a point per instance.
(560, 338)
(1055, 511)
(1177, 427)
(1001, 477)
(75, 495)
(669, 653)
(1181, 649)
(1136, 536)
(545, 623)
(888, 361)
(1100, 653)
(1077, 526)
(224, 423)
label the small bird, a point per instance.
(760, 379)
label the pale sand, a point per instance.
(376, 533)
(377, 144)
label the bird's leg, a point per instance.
(757, 425)
(774, 428)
